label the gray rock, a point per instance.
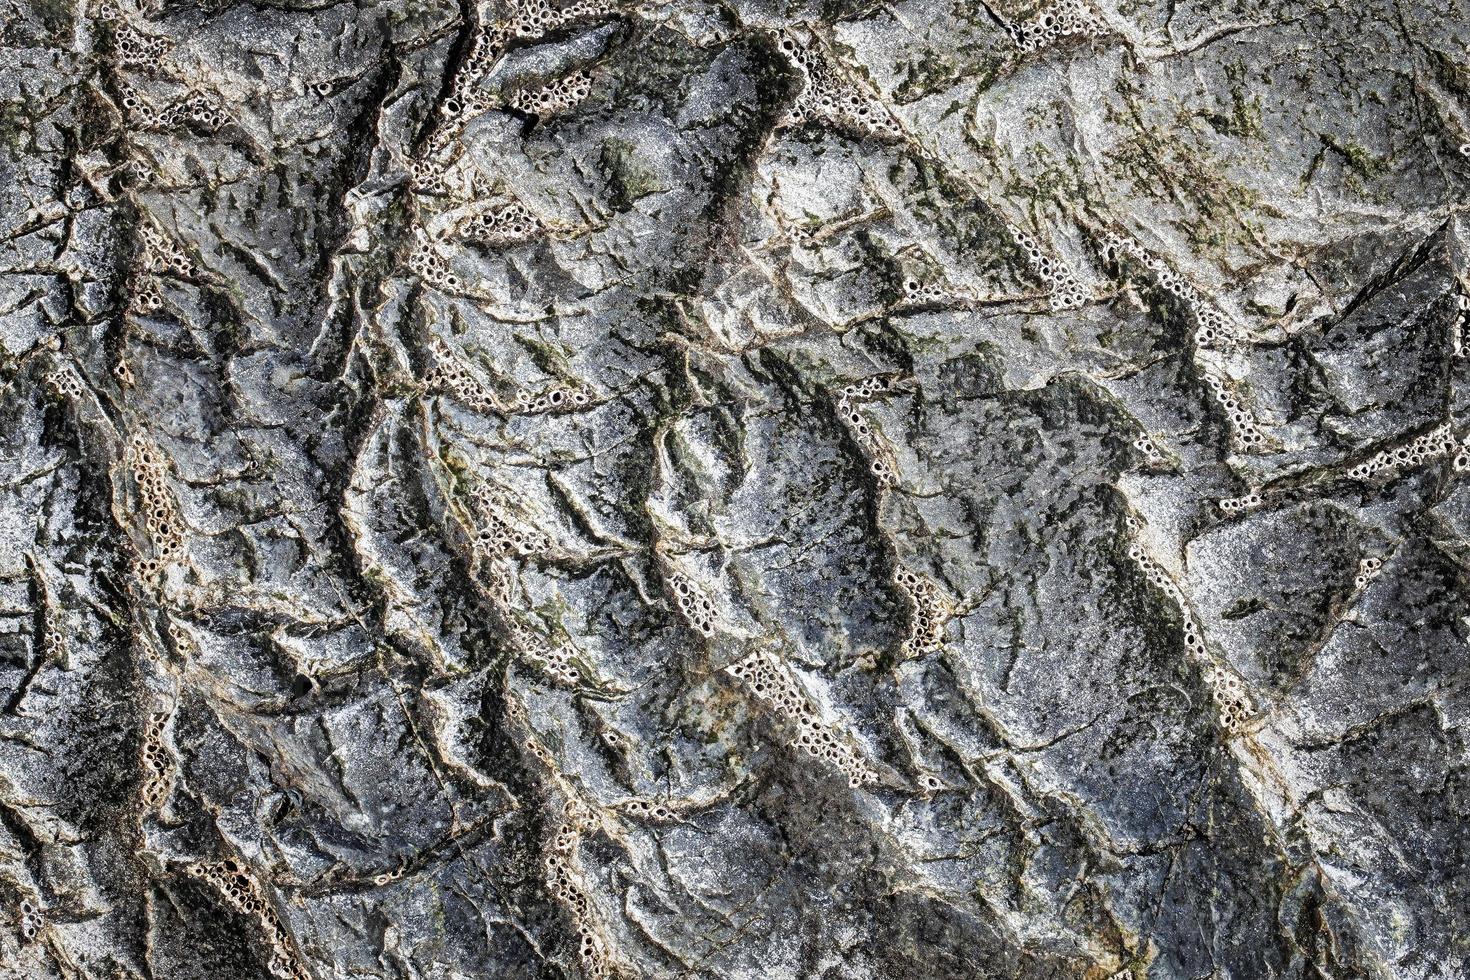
(737, 489)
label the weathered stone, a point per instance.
(734, 490)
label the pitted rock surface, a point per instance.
(734, 489)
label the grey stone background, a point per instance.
(744, 489)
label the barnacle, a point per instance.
(829, 95)
(536, 18)
(564, 879)
(162, 519)
(694, 603)
(136, 49)
(1232, 701)
(766, 677)
(503, 224)
(1062, 18)
(31, 920)
(865, 435)
(553, 97)
(1241, 504)
(241, 892)
(1065, 292)
(1434, 444)
(157, 763)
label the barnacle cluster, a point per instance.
(464, 101)
(31, 920)
(929, 611)
(1063, 18)
(196, 107)
(464, 98)
(768, 680)
(498, 533)
(922, 292)
(555, 660)
(528, 20)
(828, 95)
(694, 603)
(1152, 570)
(866, 436)
(557, 398)
(1239, 505)
(136, 49)
(501, 225)
(1152, 454)
(427, 171)
(1247, 433)
(1368, 569)
(565, 882)
(500, 536)
(145, 297)
(535, 18)
(64, 379)
(429, 166)
(499, 582)
(553, 97)
(870, 387)
(1232, 703)
(1214, 332)
(53, 644)
(183, 642)
(157, 764)
(533, 744)
(646, 810)
(164, 523)
(1064, 292)
(1213, 329)
(243, 895)
(158, 255)
(429, 265)
(1457, 325)
(1437, 442)
(450, 375)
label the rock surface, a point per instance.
(735, 489)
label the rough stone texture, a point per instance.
(739, 489)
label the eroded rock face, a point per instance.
(746, 489)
